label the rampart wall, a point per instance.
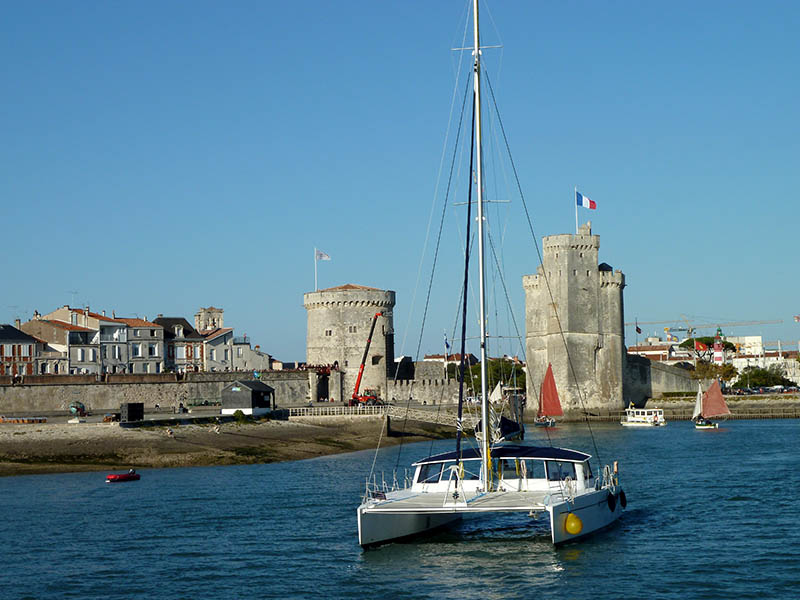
(644, 379)
(47, 395)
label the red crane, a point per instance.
(369, 398)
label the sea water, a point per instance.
(711, 514)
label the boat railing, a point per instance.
(377, 490)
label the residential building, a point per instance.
(17, 351)
(145, 345)
(218, 351)
(183, 344)
(113, 336)
(246, 358)
(60, 342)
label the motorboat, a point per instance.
(643, 417)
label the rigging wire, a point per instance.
(546, 279)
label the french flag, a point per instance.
(584, 201)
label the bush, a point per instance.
(241, 418)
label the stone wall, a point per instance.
(645, 379)
(54, 397)
(424, 391)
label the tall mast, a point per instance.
(482, 289)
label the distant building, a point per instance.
(184, 345)
(145, 345)
(17, 351)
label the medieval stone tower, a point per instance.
(587, 301)
(339, 320)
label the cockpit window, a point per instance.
(430, 473)
(558, 470)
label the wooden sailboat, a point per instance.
(709, 404)
(549, 404)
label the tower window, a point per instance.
(328, 332)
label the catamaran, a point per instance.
(495, 476)
(709, 404)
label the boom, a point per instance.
(364, 358)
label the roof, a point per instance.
(94, 315)
(133, 322)
(541, 452)
(253, 384)
(9, 333)
(67, 326)
(169, 323)
(350, 286)
(211, 334)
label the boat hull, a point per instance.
(122, 477)
(594, 509)
(375, 528)
(629, 424)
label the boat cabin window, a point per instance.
(472, 470)
(430, 473)
(520, 469)
(558, 470)
(587, 470)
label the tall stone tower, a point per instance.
(339, 320)
(587, 300)
(209, 318)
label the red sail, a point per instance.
(713, 402)
(549, 405)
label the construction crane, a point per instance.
(690, 329)
(369, 397)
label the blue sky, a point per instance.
(160, 157)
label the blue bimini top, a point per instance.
(540, 452)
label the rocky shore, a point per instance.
(61, 448)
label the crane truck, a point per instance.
(370, 397)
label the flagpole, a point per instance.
(575, 200)
(315, 269)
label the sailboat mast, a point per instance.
(482, 289)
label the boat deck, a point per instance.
(439, 502)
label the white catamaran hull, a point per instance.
(388, 521)
(378, 528)
(594, 510)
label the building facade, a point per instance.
(17, 351)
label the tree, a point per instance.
(759, 377)
(512, 374)
(707, 370)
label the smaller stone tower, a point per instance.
(586, 300)
(207, 319)
(339, 320)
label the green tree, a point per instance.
(759, 377)
(511, 373)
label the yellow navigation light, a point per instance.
(573, 524)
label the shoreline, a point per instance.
(28, 449)
(38, 448)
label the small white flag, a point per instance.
(322, 256)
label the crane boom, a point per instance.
(356, 398)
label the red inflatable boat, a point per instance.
(118, 478)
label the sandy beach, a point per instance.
(61, 448)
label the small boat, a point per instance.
(709, 404)
(549, 404)
(643, 417)
(120, 477)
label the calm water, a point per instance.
(711, 514)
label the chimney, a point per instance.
(17, 323)
(113, 314)
(104, 312)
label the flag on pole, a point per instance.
(446, 343)
(322, 256)
(585, 201)
(638, 329)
